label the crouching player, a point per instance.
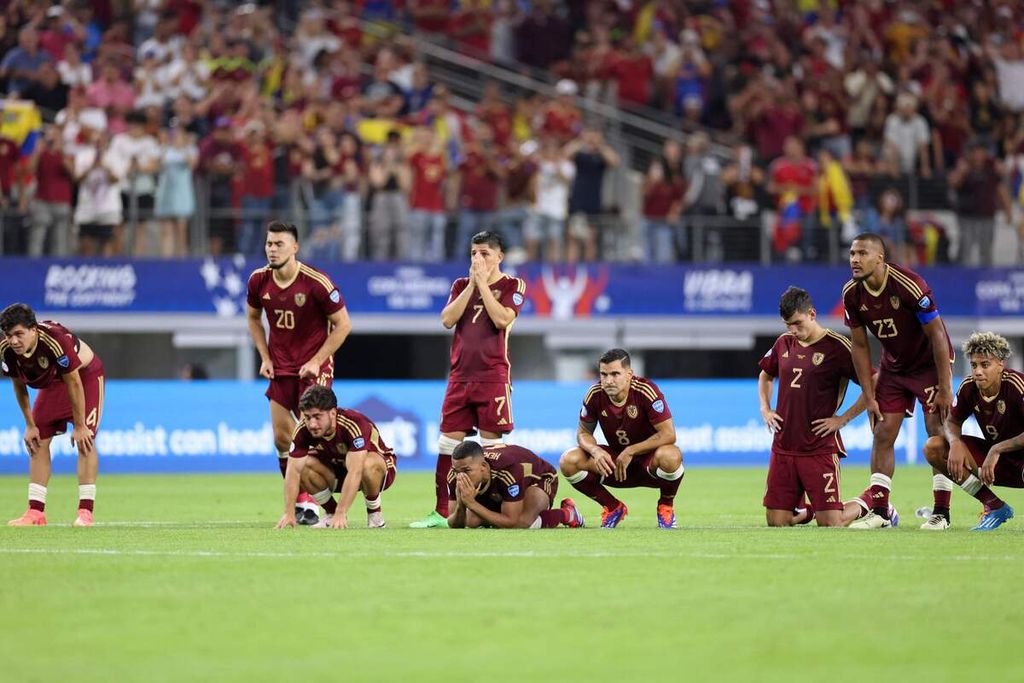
(336, 450)
(642, 451)
(507, 487)
(814, 366)
(994, 394)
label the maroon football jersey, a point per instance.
(513, 469)
(479, 349)
(1000, 417)
(812, 385)
(55, 355)
(297, 315)
(896, 314)
(632, 422)
(353, 431)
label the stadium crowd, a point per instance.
(837, 115)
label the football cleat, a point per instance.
(84, 518)
(307, 511)
(375, 519)
(610, 517)
(572, 514)
(324, 522)
(894, 517)
(993, 519)
(872, 521)
(666, 517)
(936, 523)
(432, 521)
(30, 518)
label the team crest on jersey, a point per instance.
(925, 302)
(513, 490)
(895, 301)
(1001, 406)
(44, 362)
(632, 412)
(659, 406)
(300, 299)
(517, 299)
(359, 443)
(817, 358)
(335, 296)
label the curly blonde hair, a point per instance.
(987, 344)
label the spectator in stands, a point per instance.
(888, 219)
(691, 72)
(113, 95)
(327, 196)
(704, 200)
(50, 209)
(946, 103)
(907, 138)
(389, 181)
(560, 118)
(47, 91)
(663, 191)
(73, 72)
(665, 56)
(99, 207)
(864, 86)
(493, 111)
(591, 156)
(633, 74)
(744, 182)
(986, 116)
(20, 66)
(470, 27)
(505, 20)
(428, 170)
(135, 157)
(422, 90)
(351, 172)
(519, 195)
(825, 125)
(476, 184)
(382, 98)
(175, 201)
(977, 179)
(218, 157)
(542, 38)
(793, 182)
(257, 192)
(1008, 60)
(546, 224)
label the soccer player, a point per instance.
(814, 366)
(482, 308)
(642, 451)
(69, 376)
(897, 305)
(308, 321)
(994, 394)
(506, 487)
(336, 450)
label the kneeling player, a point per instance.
(336, 449)
(814, 366)
(994, 394)
(507, 487)
(633, 413)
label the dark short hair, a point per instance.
(318, 398)
(17, 314)
(468, 449)
(612, 355)
(281, 226)
(794, 300)
(490, 238)
(871, 237)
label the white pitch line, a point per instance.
(415, 554)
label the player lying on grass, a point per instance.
(336, 450)
(507, 487)
(814, 365)
(994, 394)
(642, 451)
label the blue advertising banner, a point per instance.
(554, 291)
(223, 426)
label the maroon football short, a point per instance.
(468, 406)
(638, 472)
(1009, 468)
(896, 393)
(790, 476)
(52, 408)
(286, 391)
(390, 462)
(549, 485)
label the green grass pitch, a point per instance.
(184, 579)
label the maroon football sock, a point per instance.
(330, 506)
(668, 491)
(85, 504)
(942, 499)
(549, 519)
(444, 465)
(591, 487)
(37, 505)
(989, 499)
(880, 500)
(283, 464)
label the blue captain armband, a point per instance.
(926, 317)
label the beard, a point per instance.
(277, 266)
